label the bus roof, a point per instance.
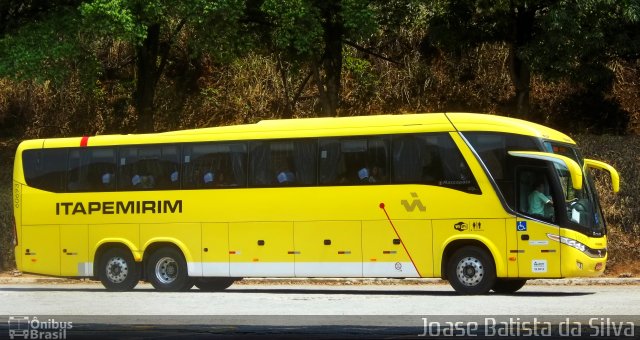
(321, 127)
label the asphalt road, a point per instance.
(316, 311)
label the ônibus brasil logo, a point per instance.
(24, 327)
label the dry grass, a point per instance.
(621, 211)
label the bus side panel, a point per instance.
(489, 232)
(261, 249)
(125, 234)
(74, 256)
(385, 255)
(328, 249)
(215, 249)
(41, 244)
(186, 236)
(417, 236)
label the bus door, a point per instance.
(539, 202)
(537, 255)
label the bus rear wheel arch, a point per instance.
(471, 270)
(166, 270)
(117, 269)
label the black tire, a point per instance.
(118, 271)
(215, 284)
(471, 271)
(507, 286)
(167, 271)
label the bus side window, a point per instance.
(92, 169)
(283, 163)
(214, 165)
(330, 163)
(140, 168)
(350, 161)
(408, 159)
(45, 169)
(260, 165)
(432, 159)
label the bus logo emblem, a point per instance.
(416, 203)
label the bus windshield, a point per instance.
(581, 205)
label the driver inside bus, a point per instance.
(538, 201)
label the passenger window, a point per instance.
(432, 159)
(92, 169)
(149, 168)
(45, 169)
(354, 161)
(283, 163)
(215, 165)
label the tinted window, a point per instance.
(493, 149)
(45, 168)
(351, 161)
(149, 167)
(279, 163)
(214, 165)
(92, 169)
(431, 159)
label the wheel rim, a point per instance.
(470, 271)
(117, 269)
(166, 270)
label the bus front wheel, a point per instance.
(167, 271)
(471, 271)
(506, 286)
(118, 270)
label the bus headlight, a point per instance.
(596, 253)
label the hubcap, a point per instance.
(470, 271)
(117, 269)
(166, 270)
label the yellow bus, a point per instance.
(483, 201)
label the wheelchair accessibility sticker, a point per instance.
(521, 226)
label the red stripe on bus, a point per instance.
(84, 141)
(400, 238)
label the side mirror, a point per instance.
(615, 177)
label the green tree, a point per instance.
(572, 39)
(41, 40)
(313, 32)
(153, 27)
(51, 40)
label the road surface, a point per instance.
(317, 311)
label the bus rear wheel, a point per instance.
(118, 271)
(471, 271)
(167, 271)
(506, 286)
(215, 284)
